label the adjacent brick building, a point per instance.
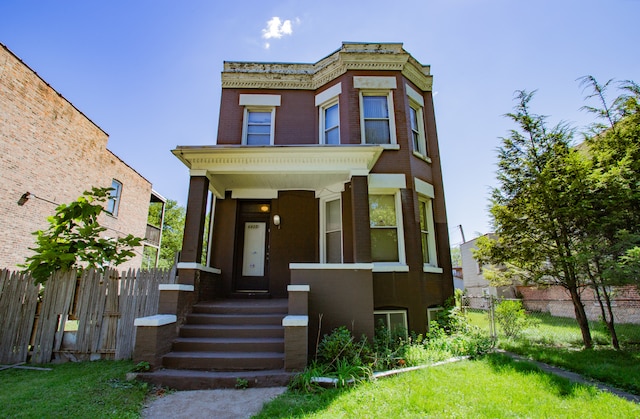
(53, 152)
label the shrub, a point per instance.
(340, 345)
(512, 318)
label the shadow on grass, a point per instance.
(562, 387)
(617, 368)
(294, 404)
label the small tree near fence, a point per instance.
(73, 239)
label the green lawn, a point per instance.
(557, 341)
(491, 387)
(72, 390)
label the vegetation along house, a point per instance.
(50, 153)
(325, 197)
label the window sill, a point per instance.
(390, 146)
(390, 267)
(422, 157)
(432, 269)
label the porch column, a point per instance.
(360, 219)
(195, 219)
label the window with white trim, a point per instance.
(385, 216)
(331, 228)
(432, 315)
(258, 126)
(113, 204)
(376, 117)
(427, 236)
(328, 103)
(330, 122)
(395, 321)
(416, 117)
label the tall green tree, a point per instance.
(172, 232)
(73, 239)
(611, 231)
(542, 180)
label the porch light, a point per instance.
(276, 220)
(264, 208)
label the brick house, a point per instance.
(325, 193)
(50, 152)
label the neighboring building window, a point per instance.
(258, 128)
(330, 123)
(331, 230)
(376, 121)
(384, 220)
(416, 116)
(429, 256)
(395, 321)
(114, 199)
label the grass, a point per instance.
(490, 387)
(557, 341)
(84, 390)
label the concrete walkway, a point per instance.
(218, 404)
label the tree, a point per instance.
(611, 234)
(172, 232)
(73, 239)
(542, 180)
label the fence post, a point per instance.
(492, 317)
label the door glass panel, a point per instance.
(254, 247)
(334, 247)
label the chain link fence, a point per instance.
(550, 321)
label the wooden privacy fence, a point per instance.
(101, 306)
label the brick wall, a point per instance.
(556, 301)
(52, 150)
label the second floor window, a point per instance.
(331, 124)
(113, 203)
(258, 127)
(375, 115)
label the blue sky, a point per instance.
(148, 72)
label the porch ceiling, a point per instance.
(277, 167)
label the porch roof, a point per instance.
(261, 171)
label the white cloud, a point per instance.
(276, 28)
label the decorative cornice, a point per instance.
(378, 57)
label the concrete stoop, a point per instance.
(226, 343)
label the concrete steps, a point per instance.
(224, 340)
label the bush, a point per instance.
(512, 318)
(340, 345)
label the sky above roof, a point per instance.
(148, 71)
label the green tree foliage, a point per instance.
(570, 215)
(172, 232)
(541, 182)
(73, 239)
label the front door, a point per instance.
(252, 253)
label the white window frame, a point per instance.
(432, 313)
(323, 227)
(323, 128)
(392, 122)
(401, 264)
(416, 103)
(387, 313)
(115, 196)
(324, 101)
(245, 122)
(426, 194)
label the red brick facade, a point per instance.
(284, 176)
(52, 150)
